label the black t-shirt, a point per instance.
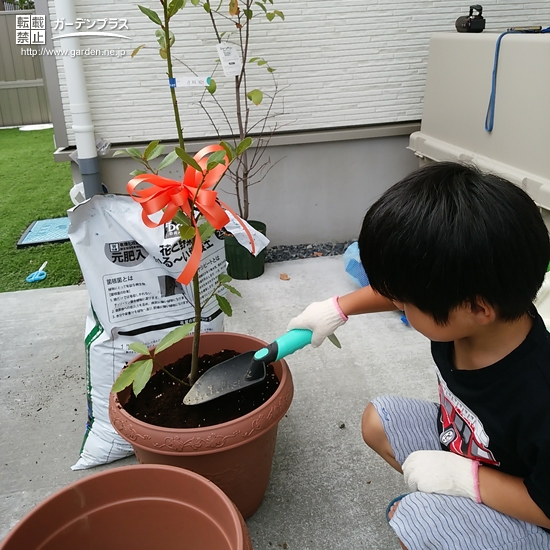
(500, 414)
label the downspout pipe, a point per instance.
(88, 161)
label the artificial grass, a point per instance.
(33, 187)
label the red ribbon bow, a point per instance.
(195, 189)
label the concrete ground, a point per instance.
(327, 489)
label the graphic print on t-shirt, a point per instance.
(461, 430)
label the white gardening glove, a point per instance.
(442, 472)
(322, 318)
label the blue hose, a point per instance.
(490, 117)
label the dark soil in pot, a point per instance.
(161, 401)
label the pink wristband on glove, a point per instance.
(338, 308)
(475, 475)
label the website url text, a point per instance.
(33, 52)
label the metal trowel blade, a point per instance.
(223, 378)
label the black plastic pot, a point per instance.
(241, 263)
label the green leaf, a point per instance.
(262, 6)
(150, 148)
(206, 231)
(188, 159)
(280, 14)
(134, 153)
(255, 96)
(229, 151)
(253, 59)
(161, 38)
(224, 278)
(271, 69)
(232, 289)
(142, 376)
(334, 339)
(224, 304)
(211, 164)
(170, 158)
(187, 233)
(163, 53)
(135, 52)
(195, 2)
(126, 376)
(262, 62)
(244, 145)
(157, 151)
(249, 14)
(120, 152)
(214, 159)
(218, 157)
(174, 336)
(138, 347)
(207, 7)
(175, 6)
(182, 219)
(270, 16)
(212, 86)
(152, 15)
(137, 172)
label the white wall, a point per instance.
(354, 64)
(317, 193)
(339, 64)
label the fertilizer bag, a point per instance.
(131, 273)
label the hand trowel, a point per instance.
(246, 369)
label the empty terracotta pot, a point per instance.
(138, 507)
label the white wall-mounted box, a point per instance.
(458, 89)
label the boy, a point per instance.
(463, 254)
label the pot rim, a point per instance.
(285, 382)
(117, 471)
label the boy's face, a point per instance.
(460, 323)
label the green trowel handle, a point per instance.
(287, 344)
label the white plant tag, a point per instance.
(230, 59)
(198, 81)
(234, 227)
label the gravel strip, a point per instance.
(299, 251)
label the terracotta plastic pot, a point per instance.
(135, 507)
(235, 455)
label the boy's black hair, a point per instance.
(448, 234)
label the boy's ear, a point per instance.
(483, 312)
